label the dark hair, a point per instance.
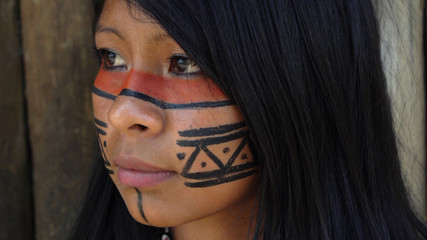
(308, 78)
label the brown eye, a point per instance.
(112, 60)
(181, 64)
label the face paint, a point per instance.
(141, 210)
(166, 93)
(215, 143)
(100, 124)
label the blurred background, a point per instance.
(47, 137)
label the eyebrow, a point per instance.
(160, 37)
(155, 38)
(101, 29)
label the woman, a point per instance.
(243, 120)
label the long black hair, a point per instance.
(308, 78)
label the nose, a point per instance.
(133, 117)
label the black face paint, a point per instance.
(100, 124)
(103, 94)
(166, 105)
(141, 210)
(201, 139)
(161, 91)
(226, 150)
(180, 156)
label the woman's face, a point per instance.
(174, 145)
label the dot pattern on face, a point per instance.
(201, 140)
(180, 156)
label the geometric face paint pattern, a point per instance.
(100, 125)
(224, 170)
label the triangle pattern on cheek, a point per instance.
(215, 150)
(164, 92)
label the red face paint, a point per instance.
(168, 90)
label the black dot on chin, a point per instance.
(105, 144)
(226, 150)
(203, 164)
(244, 156)
(180, 156)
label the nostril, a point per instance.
(137, 127)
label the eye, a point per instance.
(111, 60)
(182, 65)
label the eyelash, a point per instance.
(179, 56)
(102, 55)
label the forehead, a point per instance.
(119, 16)
(130, 31)
(121, 9)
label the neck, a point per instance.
(234, 224)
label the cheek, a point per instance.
(180, 204)
(217, 155)
(219, 174)
(103, 129)
(101, 106)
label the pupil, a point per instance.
(111, 58)
(182, 65)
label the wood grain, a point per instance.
(15, 198)
(59, 69)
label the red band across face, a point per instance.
(168, 90)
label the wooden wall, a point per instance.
(47, 138)
(59, 72)
(15, 168)
(47, 134)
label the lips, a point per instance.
(136, 173)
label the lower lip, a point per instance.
(140, 179)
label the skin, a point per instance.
(195, 204)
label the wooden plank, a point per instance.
(15, 185)
(59, 71)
